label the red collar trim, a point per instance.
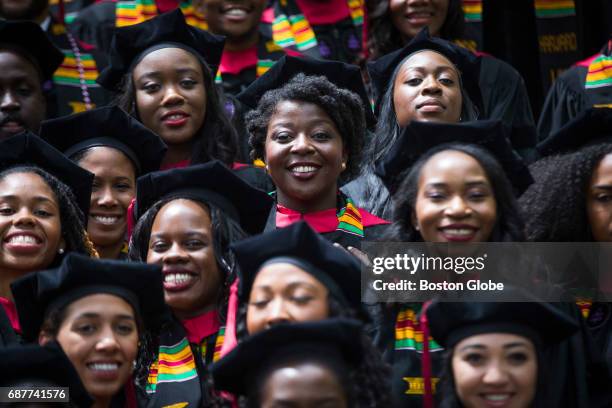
(321, 221)
(234, 62)
(11, 313)
(177, 165)
(200, 327)
(369, 220)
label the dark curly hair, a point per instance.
(343, 107)
(555, 205)
(509, 226)
(216, 140)
(72, 218)
(370, 381)
(384, 37)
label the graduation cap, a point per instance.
(451, 322)
(28, 149)
(335, 341)
(419, 137)
(28, 38)
(593, 125)
(339, 73)
(211, 182)
(37, 294)
(299, 245)
(168, 30)
(381, 70)
(42, 366)
(108, 126)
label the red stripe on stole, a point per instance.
(175, 363)
(601, 70)
(74, 67)
(402, 324)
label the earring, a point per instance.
(343, 166)
(60, 251)
(267, 169)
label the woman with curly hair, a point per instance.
(44, 202)
(308, 364)
(569, 201)
(163, 70)
(309, 130)
(187, 220)
(98, 311)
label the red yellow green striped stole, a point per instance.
(472, 10)
(600, 72)
(291, 28)
(554, 8)
(68, 72)
(176, 363)
(408, 332)
(129, 12)
(349, 219)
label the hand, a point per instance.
(361, 256)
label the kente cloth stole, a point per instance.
(557, 28)
(349, 219)
(130, 12)
(290, 27)
(176, 362)
(598, 84)
(408, 331)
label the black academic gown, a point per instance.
(565, 100)
(95, 25)
(504, 95)
(7, 334)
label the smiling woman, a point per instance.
(44, 199)
(187, 220)
(98, 311)
(449, 183)
(116, 148)
(164, 70)
(496, 350)
(309, 130)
